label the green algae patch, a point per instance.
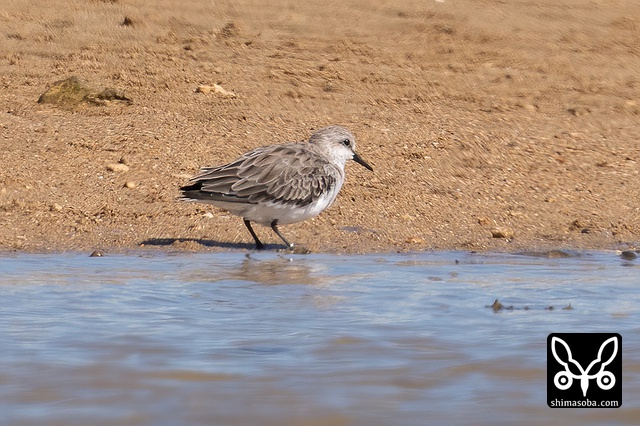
(72, 92)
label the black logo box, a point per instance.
(592, 365)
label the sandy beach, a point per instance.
(491, 125)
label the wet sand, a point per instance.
(490, 125)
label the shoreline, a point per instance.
(178, 248)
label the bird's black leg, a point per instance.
(274, 226)
(259, 245)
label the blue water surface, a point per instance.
(271, 339)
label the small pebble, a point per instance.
(217, 89)
(204, 89)
(484, 221)
(628, 255)
(502, 232)
(117, 167)
(129, 184)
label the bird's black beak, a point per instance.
(359, 160)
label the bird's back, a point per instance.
(288, 176)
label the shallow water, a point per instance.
(303, 339)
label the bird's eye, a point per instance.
(346, 142)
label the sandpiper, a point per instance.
(279, 184)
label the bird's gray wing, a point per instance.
(288, 173)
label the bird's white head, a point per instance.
(339, 144)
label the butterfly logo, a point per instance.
(564, 379)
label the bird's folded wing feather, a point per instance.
(284, 173)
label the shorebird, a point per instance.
(279, 184)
